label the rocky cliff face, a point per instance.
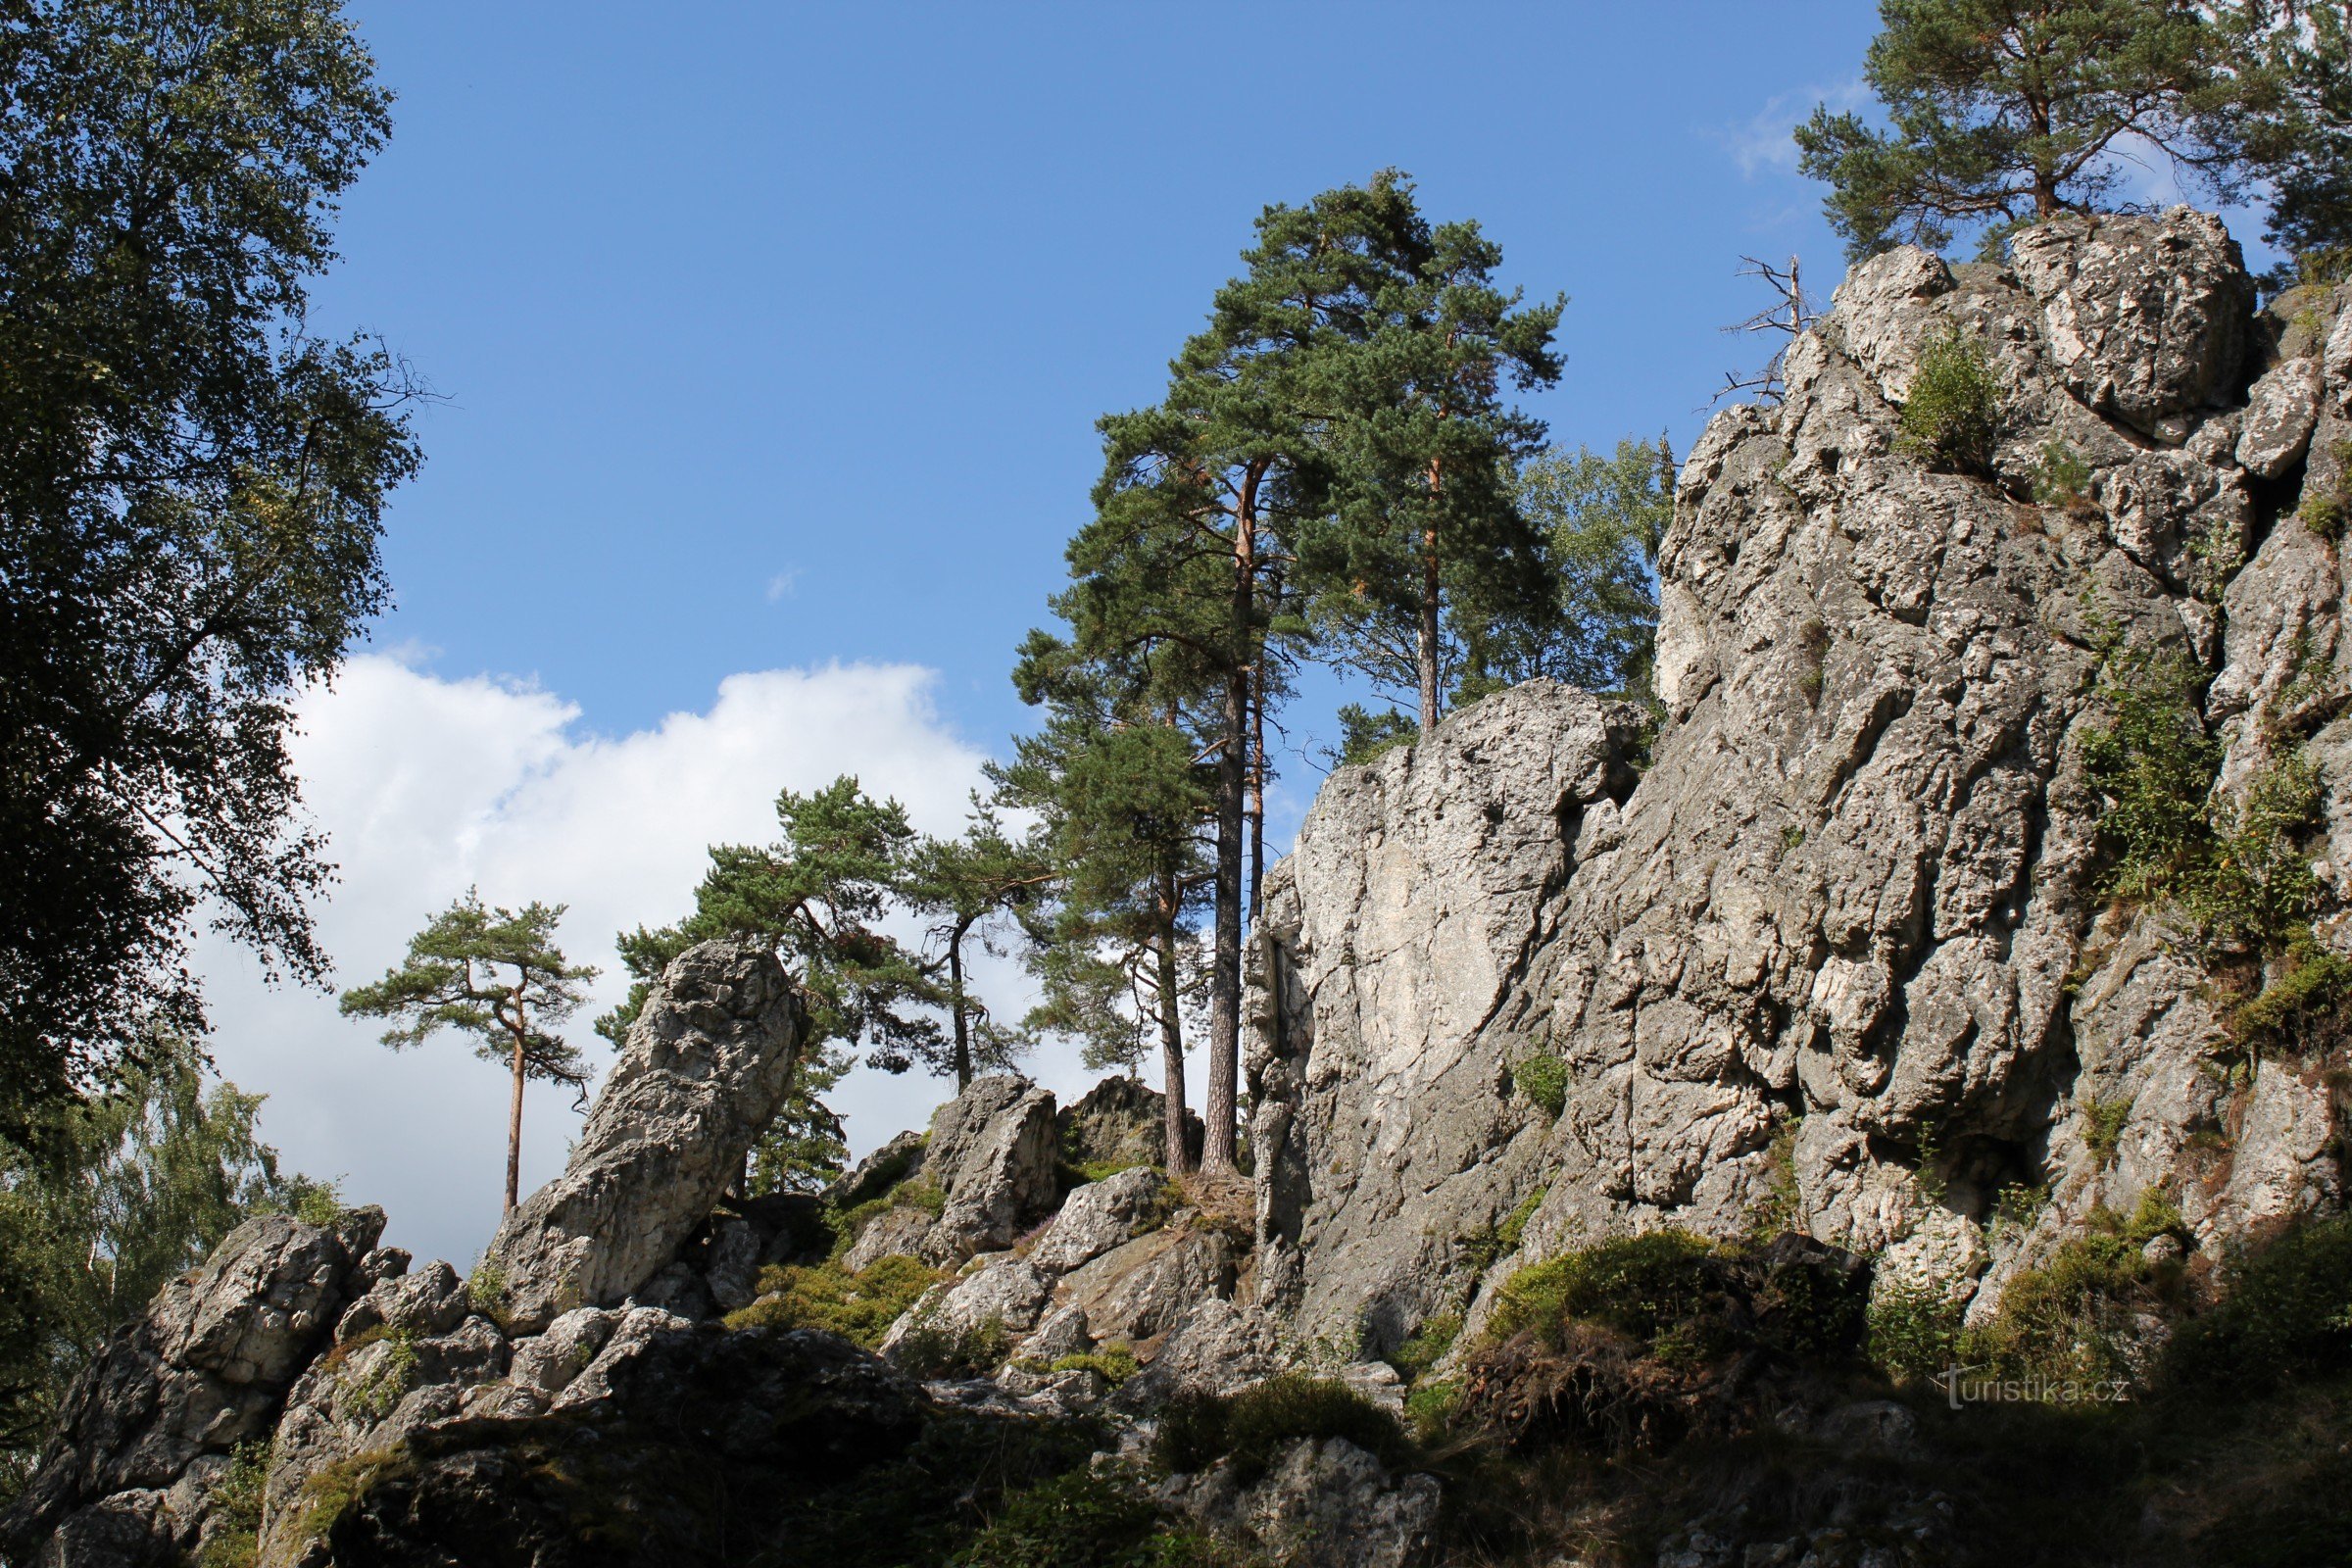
(1843, 948)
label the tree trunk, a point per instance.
(1258, 786)
(1219, 1113)
(1171, 1048)
(514, 1128)
(1425, 640)
(963, 1041)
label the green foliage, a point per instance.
(1954, 407)
(108, 1200)
(2286, 1314)
(2001, 113)
(193, 486)
(1781, 1208)
(970, 886)
(2239, 873)
(922, 1194)
(495, 974)
(1484, 1247)
(1642, 1286)
(1114, 1363)
(2295, 134)
(394, 1372)
(2074, 1319)
(1366, 736)
(486, 1290)
(2103, 1125)
(1544, 1080)
(2310, 981)
(930, 1349)
(2061, 478)
(1427, 1345)
(1431, 1410)
(1914, 1331)
(1250, 1428)
(860, 1308)
(1602, 519)
(1088, 1518)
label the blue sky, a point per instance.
(775, 334)
(772, 338)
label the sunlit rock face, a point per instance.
(1853, 904)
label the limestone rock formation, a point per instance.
(992, 1153)
(1853, 903)
(148, 1427)
(704, 1068)
(1121, 1121)
(1326, 1503)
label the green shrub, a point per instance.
(1430, 1408)
(1914, 1331)
(1427, 1345)
(486, 1291)
(2103, 1126)
(2061, 478)
(1544, 1081)
(921, 1194)
(1641, 1285)
(2312, 981)
(2288, 1314)
(236, 1504)
(2071, 1320)
(1951, 417)
(1781, 1208)
(860, 1308)
(1088, 1518)
(379, 1394)
(2323, 510)
(934, 1351)
(1250, 1428)
(1114, 1363)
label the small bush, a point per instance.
(486, 1290)
(1914, 1331)
(1482, 1249)
(1252, 1427)
(2312, 981)
(1544, 1081)
(921, 1194)
(934, 1351)
(2061, 478)
(1427, 1346)
(1088, 1518)
(2288, 1314)
(2103, 1126)
(2323, 510)
(860, 1308)
(236, 1504)
(379, 1394)
(1953, 411)
(1430, 1408)
(1641, 1285)
(1781, 1208)
(2073, 1319)
(1114, 1364)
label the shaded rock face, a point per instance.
(146, 1429)
(1856, 892)
(1326, 1503)
(705, 1069)
(1122, 1121)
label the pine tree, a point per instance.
(1423, 536)
(818, 896)
(2292, 118)
(2008, 111)
(1123, 803)
(496, 974)
(965, 883)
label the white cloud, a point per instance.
(1763, 143)
(427, 786)
(784, 584)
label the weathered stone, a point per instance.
(992, 1153)
(900, 1159)
(1137, 1292)
(705, 1069)
(1122, 1121)
(1098, 1216)
(893, 1233)
(430, 1301)
(1326, 1503)
(547, 1363)
(1005, 1293)
(2281, 412)
(2146, 319)
(200, 1372)
(1212, 1346)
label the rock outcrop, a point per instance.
(148, 1429)
(1854, 904)
(704, 1069)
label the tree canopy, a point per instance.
(191, 487)
(496, 974)
(2002, 111)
